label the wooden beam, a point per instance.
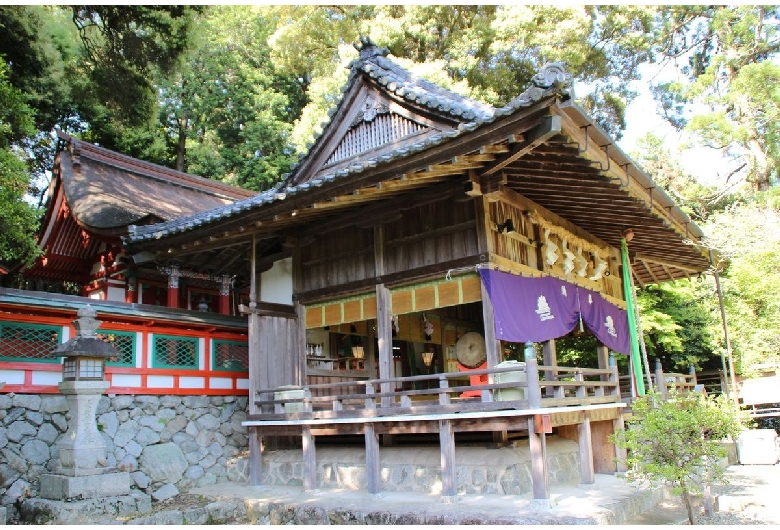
(384, 332)
(549, 126)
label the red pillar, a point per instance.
(224, 295)
(173, 286)
(131, 294)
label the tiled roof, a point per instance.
(550, 81)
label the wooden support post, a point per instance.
(384, 332)
(587, 475)
(373, 468)
(538, 447)
(550, 358)
(449, 486)
(534, 395)
(492, 345)
(536, 440)
(255, 457)
(309, 460)
(602, 352)
(620, 453)
(615, 377)
(692, 373)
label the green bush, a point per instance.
(678, 442)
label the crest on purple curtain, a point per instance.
(530, 309)
(606, 321)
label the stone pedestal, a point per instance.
(60, 487)
(82, 449)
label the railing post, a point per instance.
(692, 373)
(370, 403)
(532, 377)
(444, 397)
(660, 380)
(615, 377)
(581, 390)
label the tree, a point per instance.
(19, 220)
(492, 50)
(228, 113)
(728, 96)
(678, 441)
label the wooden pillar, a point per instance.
(587, 475)
(300, 345)
(449, 485)
(224, 295)
(603, 355)
(550, 359)
(255, 457)
(373, 468)
(536, 440)
(173, 286)
(492, 345)
(384, 332)
(309, 460)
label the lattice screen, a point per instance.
(179, 352)
(230, 355)
(28, 342)
(124, 342)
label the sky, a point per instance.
(642, 117)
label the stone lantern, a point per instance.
(82, 449)
(83, 483)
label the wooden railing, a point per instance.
(665, 383)
(508, 387)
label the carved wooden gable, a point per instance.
(378, 124)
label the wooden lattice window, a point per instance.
(230, 355)
(175, 352)
(124, 342)
(29, 342)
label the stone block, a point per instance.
(27, 401)
(88, 511)
(163, 462)
(165, 492)
(61, 487)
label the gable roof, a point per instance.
(95, 193)
(543, 146)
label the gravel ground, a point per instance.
(750, 497)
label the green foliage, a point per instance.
(490, 52)
(19, 220)
(731, 82)
(677, 441)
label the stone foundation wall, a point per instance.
(166, 443)
(501, 470)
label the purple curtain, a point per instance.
(540, 309)
(606, 321)
(530, 309)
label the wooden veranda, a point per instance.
(581, 402)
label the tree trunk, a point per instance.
(181, 146)
(687, 502)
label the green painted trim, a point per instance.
(42, 327)
(636, 360)
(156, 362)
